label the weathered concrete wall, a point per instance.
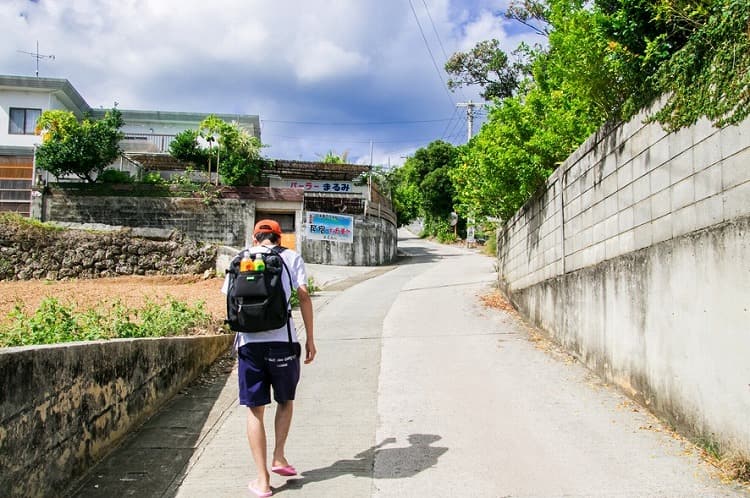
(62, 407)
(221, 221)
(28, 252)
(375, 243)
(636, 258)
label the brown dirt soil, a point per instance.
(132, 291)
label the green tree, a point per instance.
(82, 149)
(485, 65)
(185, 147)
(710, 74)
(238, 156)
(422, 186)
(531, 13)
(332, 158)
(519, 146)
(236, 152)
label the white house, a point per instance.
(22, 101)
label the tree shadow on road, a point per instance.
(378, 462)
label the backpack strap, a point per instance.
(277, 250)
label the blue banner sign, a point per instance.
(327, 226)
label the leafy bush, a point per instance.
(152, 178)
(15, 219)
(312, 289)
(115, 176)
(55, 322)
(185, 147)
(490, 247)
(82, 149)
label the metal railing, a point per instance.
(151, 141)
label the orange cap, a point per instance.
(267, 226)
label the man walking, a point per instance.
(266, 361)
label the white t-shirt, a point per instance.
(296, 267)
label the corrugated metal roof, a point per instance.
(314, 170)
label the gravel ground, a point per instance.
(132, 291)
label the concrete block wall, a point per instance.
(221, 221)
(531, 240)
(648, 281)
(63, 406)
(626, 189)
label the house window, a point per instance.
(285, 220)
(23, 121)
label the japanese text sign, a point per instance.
(327, 226)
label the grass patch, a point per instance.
(55, 322)
(312, 289)
(732, 465)
(16, 220)
(490, 246)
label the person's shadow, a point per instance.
(379, 463)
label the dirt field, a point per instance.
(132, 291)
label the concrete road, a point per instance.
(418, 390)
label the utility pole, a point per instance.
(469, 117)
(37, 56)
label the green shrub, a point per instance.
(55, 322)
(15, 219)
(152, 178)
(490, 246)
(312, 289)
(114, 176)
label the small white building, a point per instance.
(22, 101)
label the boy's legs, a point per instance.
(260, 367)
(282, 423)
(256, 436)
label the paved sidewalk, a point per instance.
(203, 422)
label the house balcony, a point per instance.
(146, 142)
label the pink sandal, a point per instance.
(257, 492)
(284, 470)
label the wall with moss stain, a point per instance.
(62, 407)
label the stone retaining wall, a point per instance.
(62, 407)
(28, 252)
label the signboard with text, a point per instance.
(339, 187)
(327, 226)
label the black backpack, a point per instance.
(256, 300)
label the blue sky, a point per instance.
(323, 75)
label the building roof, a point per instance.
(315, 170)
(62, 89)
(251, 121)
(70, 97)
(263, 193)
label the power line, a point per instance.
(453, 117)
(456, 124)
(427, 45)
(437, 35)
(361, 123)
(440, 42)
(336, 140)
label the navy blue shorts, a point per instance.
(262, 365)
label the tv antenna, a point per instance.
(38, 56)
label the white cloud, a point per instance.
(316, 60)
(320, 60)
